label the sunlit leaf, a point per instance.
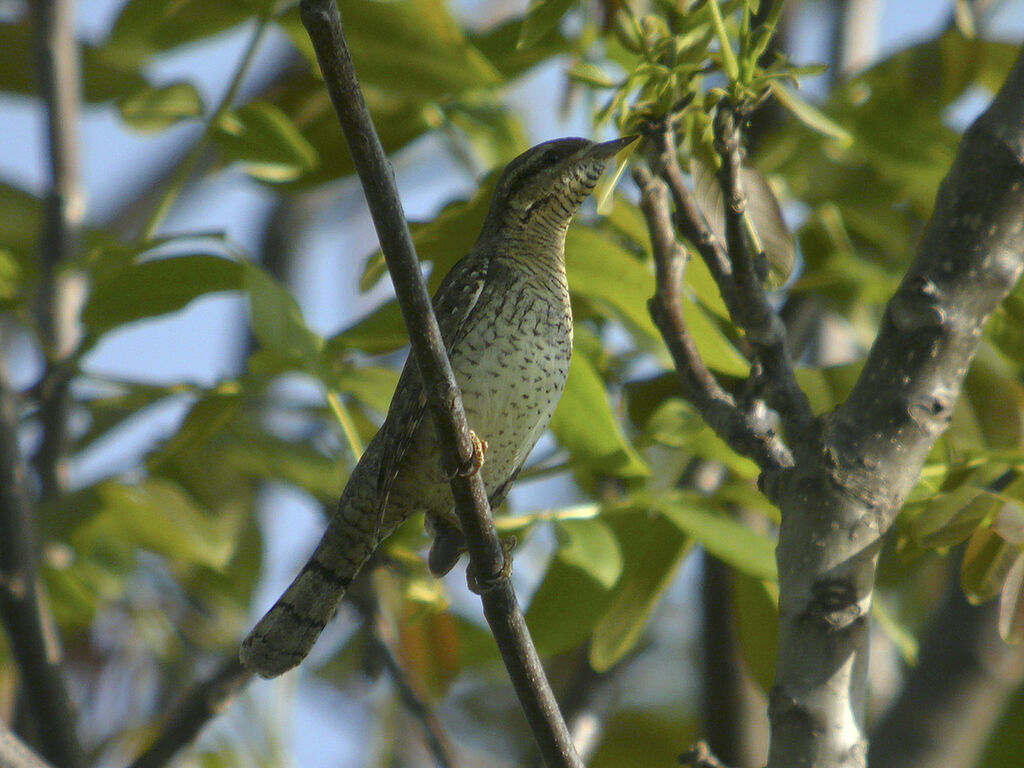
(810, 115)
(412, 49)
(585, 424)
(153, 109)
(763, 210)
(265, 141)
(1011, 604)
(590, 546)
(277, 321)
(652, 550)
(987, 562)
(565, 608)
(724, 537)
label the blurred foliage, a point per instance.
(841, 186)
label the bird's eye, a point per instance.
(551, 157)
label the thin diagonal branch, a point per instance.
(487, 557)
(200, 705)
(29, 626)
(14, 753)
(760, 322)
(748, 434)
(688, 219)
(381, 644)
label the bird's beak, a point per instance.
(610, 148)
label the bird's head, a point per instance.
(543, 187)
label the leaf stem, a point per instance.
(729, 63)
(345, 420)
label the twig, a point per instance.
(699, 756)
(688, 219)
(30, 630)
(196, 709)
(760, 322)
(487, 557)
(746, 433)
(64, 211)
(14, 753)
(437, 740)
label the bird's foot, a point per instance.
(447, 548)
(481, 585)
(475, 462)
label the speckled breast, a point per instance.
(512, 368)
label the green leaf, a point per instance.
(606, 273)
(987, 562)
(277, 321)
(20, 220)
(1011, 604)
(158, 516)
(383, 330)
(901, 635)
(207, 416)
(409, 49)
(590, 546)
(952, 517)
(590, 74)
(105, 74)
(265, 140)
(541, 17)
(565, 608)
(716, 350)
(1006, 328)
(145, 27)
(154, 109)
(499, 45)
(585, 425)
(724, 537)
(810, 115)
(156, 287)
(652, 551)
(443, 240)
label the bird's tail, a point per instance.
(286, 634)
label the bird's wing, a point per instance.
(454, 302)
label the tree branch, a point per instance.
(14, 753)
(197, 707)
(487, 557)
(365, 600)
(747, 433)
(29, 626)
(852, 478)
(760, 322)
(59, 295)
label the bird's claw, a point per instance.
(482, 585)
(475, 462)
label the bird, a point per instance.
(506, 323)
